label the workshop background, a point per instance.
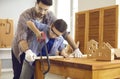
(66, 9)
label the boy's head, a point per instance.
(42, 7)
(58, 28)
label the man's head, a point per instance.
(57, 28)
(46, 2)
(42, 7)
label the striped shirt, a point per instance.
(23, 32)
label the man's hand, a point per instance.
(41, 36)
(76, 53)
(30, 56)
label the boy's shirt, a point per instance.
(49, 45)
(36, 46)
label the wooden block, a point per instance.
(105, 52)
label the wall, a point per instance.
(88, 4)
(11, 9)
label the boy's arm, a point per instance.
(76, 52)
(63, 53)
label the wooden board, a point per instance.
(6, 33)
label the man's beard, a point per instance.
(39, 15)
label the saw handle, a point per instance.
(43, 37)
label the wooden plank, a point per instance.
(111, 25)
(86, 30)
(6, 35)
(80, 29)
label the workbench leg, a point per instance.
(38, 71)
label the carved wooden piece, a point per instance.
(92, 46)
(105, 52)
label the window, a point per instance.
(65, 9)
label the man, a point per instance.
(21, 40)
(54, 43)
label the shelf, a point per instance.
(5, 49)
(5, 53)
(7, 70)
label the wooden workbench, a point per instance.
(84, 68)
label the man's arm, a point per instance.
(29, 55)
(33, 28)
(71, 42)
(23, 45)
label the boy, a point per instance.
(54, 42)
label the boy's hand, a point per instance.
(77, 53)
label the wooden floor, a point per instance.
(9, 75)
